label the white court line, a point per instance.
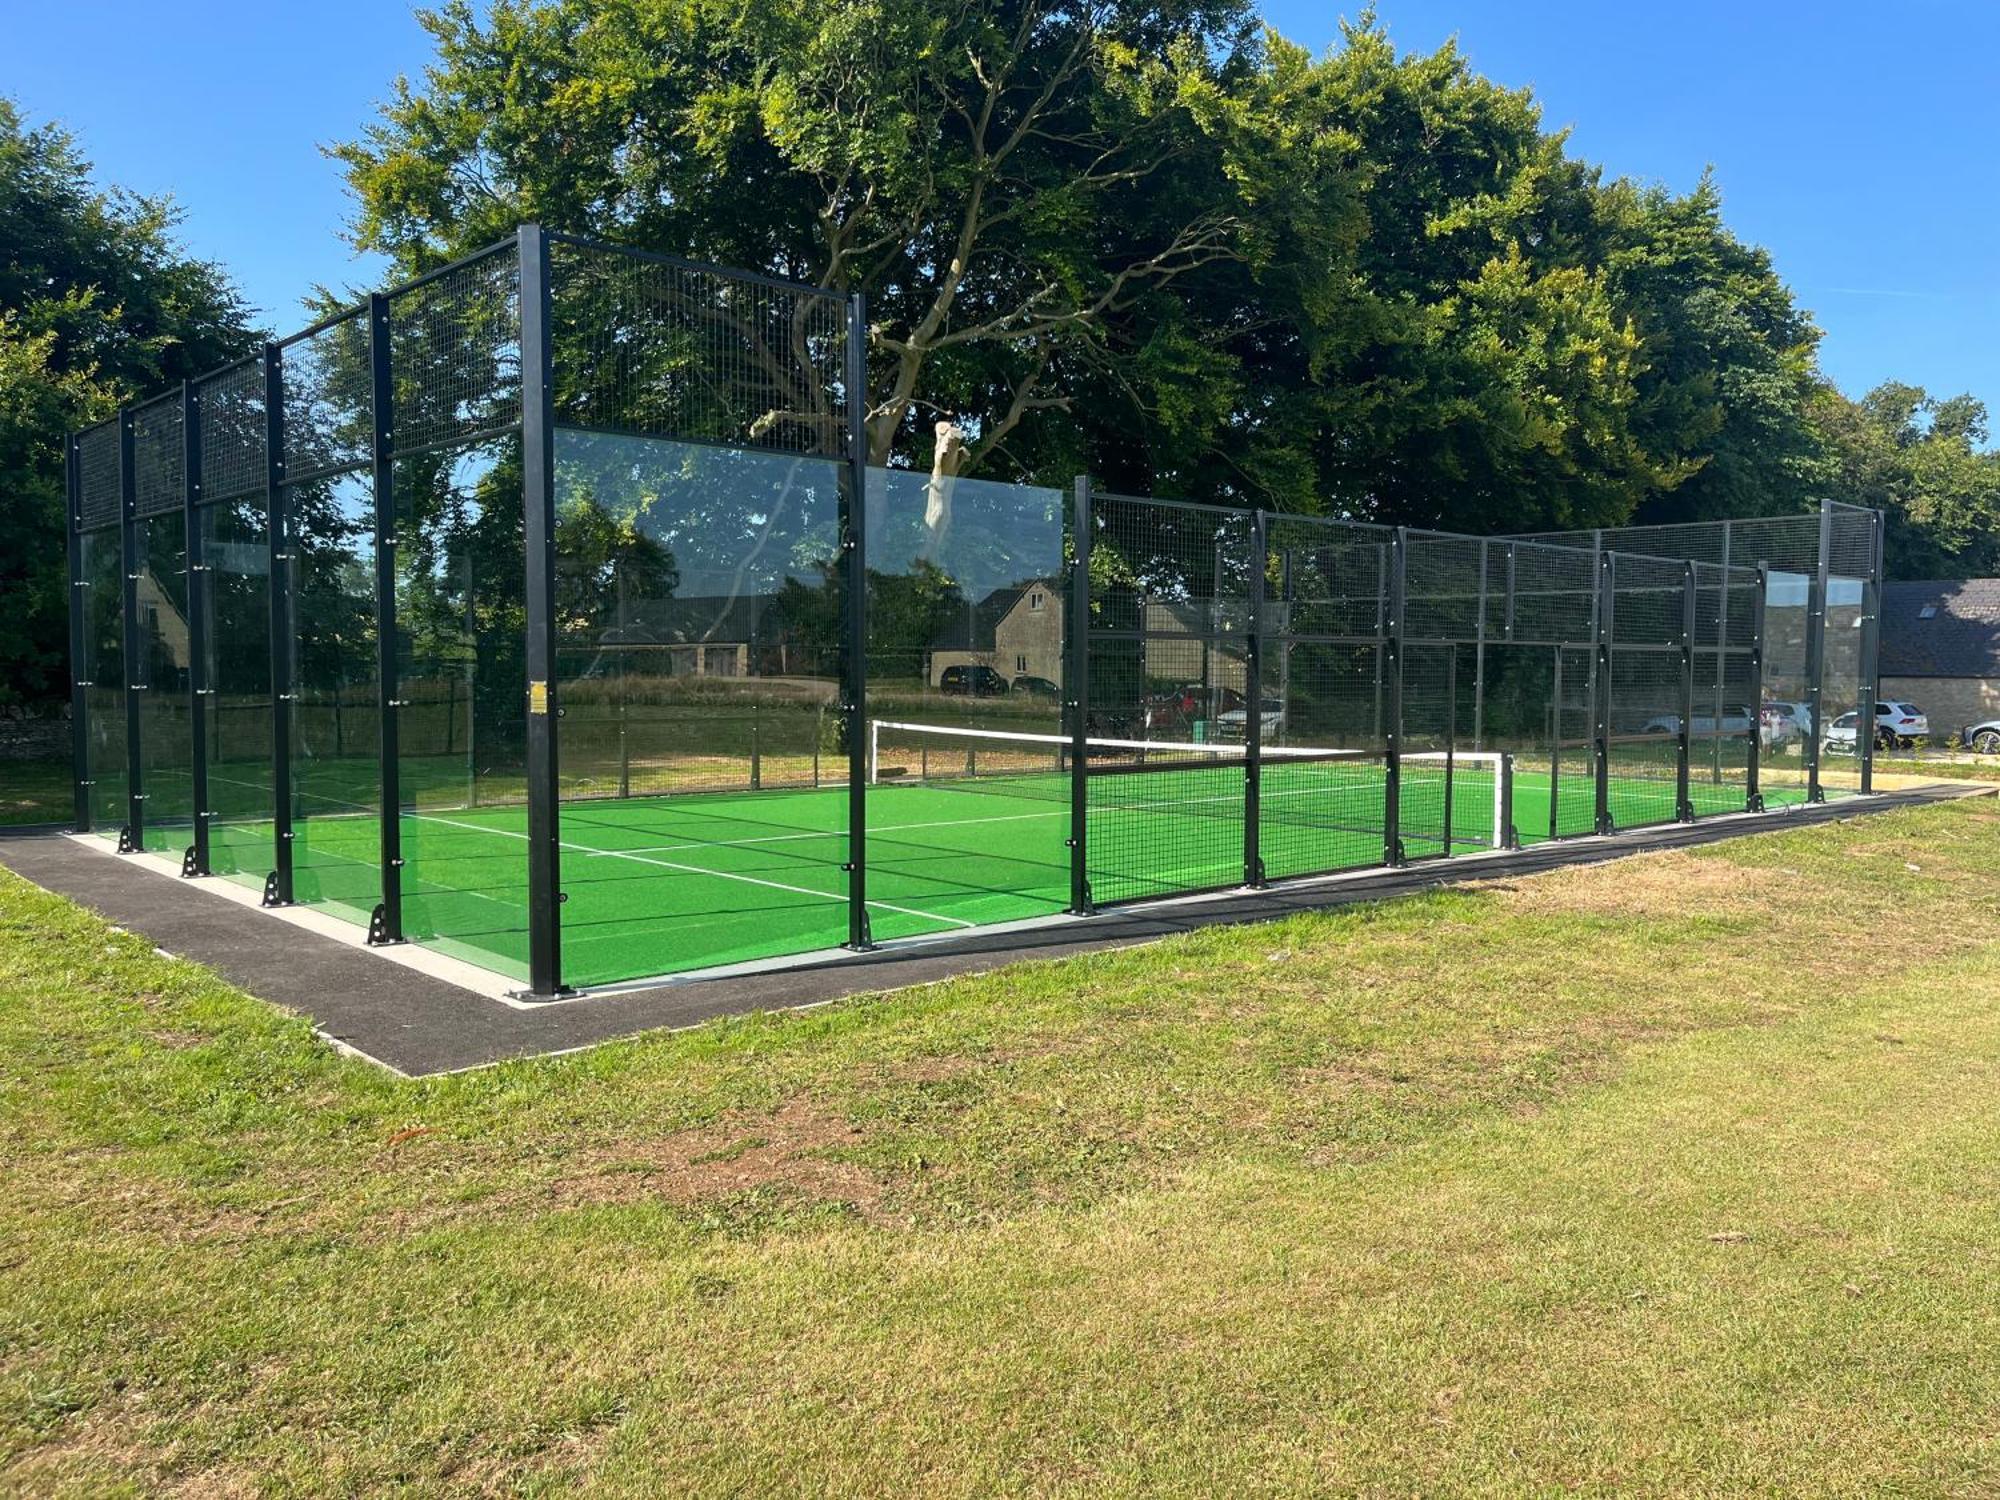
(668, 864)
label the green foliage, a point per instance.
(1924, 462)
(98, 305)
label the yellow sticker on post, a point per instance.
(538, 697)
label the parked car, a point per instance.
(971, 681)
(1840, 734)
(1983, 737)
(1735, 720)
(1899, 725)
(1039, 687)
(1270, 721)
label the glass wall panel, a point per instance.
(336, 761)
(699, 606)
(165, 720)
(103, 667)
(967, 658)
(238, 557)
(461, 627)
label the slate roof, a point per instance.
(1962, 639)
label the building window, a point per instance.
(1928, 612)
(1035, 600)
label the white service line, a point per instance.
(668, 864)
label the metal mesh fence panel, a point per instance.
(98, 503)
(230, 410)
(1323, 665)
(157, 457)
(662, 348)
(1168, 662)
(102, 669)
(455, 353)
(329, 404)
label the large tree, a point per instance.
(99, 305)
(1924, 463)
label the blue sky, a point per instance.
(1861, 146)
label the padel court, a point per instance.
(957, 840)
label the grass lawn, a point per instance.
(1680, 1174)
(36, 791)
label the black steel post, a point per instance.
(1556, 752)
(1816, 660)
(1684, 746)
(1389, 667)
(284, 690)
(133, 839)
(386, 924)
(1077, 690)
(1479, 657)
(854, 655)
(1253, 702)
(79, 641)
(538, 533)
(1871, 646)
(1753, 797)
(200, 690)
(1600, 687)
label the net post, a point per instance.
(1871, 646)
(1753, 793)
(538, 532)
(278, 888)
(1600, 687)
(1509, 835)
(79, 685)
(1816, 660)
(854, 622)
(199, 688)
(1389, 668)
(1077, 691)
(386, 926)
(1253, 710)
(1684, 743)
(134, 837)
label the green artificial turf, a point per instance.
(666, 884)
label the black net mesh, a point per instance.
(98, 501)
(329, 413)
(660, 348)
(230, 408)
(1168, 662)
(455, 353)
(157, 458)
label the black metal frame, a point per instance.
(196, 862)
(1816, 660)
(132, 839)
(385, 925)
(1753, 796)
(854, 691)
(1683, 767)
(542, 708)
(79, 687)
(1391, 659)
(1253, 702)
(1076, 690)
(278, 885)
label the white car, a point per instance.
(1270, 721)
(1982, 739)
(1773, 729)
(1900, 725)
(1897, 726)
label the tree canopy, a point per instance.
(99, 306)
